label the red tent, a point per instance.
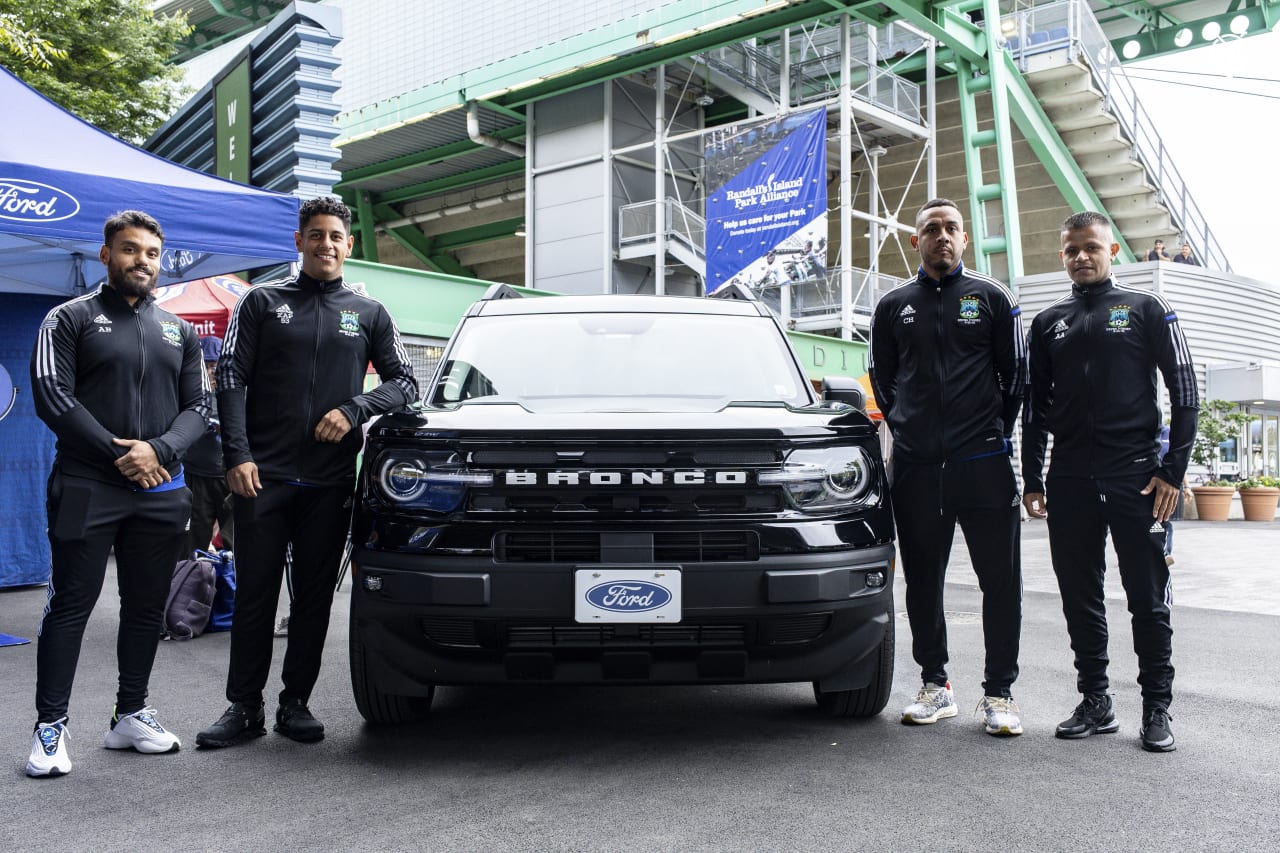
(206, 303)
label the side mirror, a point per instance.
(844, 389)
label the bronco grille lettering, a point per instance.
(620, 478)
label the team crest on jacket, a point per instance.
(284, 314)
(349, 323)
(1118, 319)
(969, 309)
(172, 332)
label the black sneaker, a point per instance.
(1093, 716)
(1156, 734)
(294, 721)
(240, 722)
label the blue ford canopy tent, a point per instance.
(60, 179)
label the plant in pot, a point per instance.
(1217, 422)
(1258, 497)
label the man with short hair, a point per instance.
(119, 381)
(1094, 355)
(948, 367)
(290, 384)
(1158, 253)
(1184, 256)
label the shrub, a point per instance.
(1217, 422)
(1260, 482)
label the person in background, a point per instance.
(119, 381)
(290, 395)
(206, 477)
(1177, 511)
(1094, 355)
(1158, 253)
(948, 366)
(1184, 256)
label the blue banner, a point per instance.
(767, 207)
(26, 451)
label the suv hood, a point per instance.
(498, 419)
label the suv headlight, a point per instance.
(432, 480)
(825, 479)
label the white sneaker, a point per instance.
(49, 756)
(1000, 715)
(141, 731)
(933, 702)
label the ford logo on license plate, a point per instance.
(628, 596)
(619, 594)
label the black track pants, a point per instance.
(982, 495)
(1081, 511)
(86, 520)
(208, 504)
(315, 521)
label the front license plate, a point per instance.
(622, 594)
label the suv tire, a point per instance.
(869, 700)
(377, 707)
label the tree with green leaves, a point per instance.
(1218, 421)
(25, 46)
(104, 60)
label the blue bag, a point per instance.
(224, 596)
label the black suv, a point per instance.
(622, 490)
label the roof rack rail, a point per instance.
(501, 291)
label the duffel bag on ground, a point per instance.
(191, 592)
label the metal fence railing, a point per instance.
(1070, 25)
(813, 298)
(638, 224)
(815, 68)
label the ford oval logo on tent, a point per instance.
(628, 596)
(29, 201)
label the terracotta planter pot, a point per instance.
(1213, 503)
(1259, 504)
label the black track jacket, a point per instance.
(102, 370)
(1094, 355)
(948, 366)
(293, 351)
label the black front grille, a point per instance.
(446, 631)
(598, 636)
(801, 628)
(547, 547)
(694, 546)
(687, 500)
(658, 479)
(709, 546)
(469, 633)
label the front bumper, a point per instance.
(425, 620)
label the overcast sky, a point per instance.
(1225, 145)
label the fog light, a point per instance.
(373, 583)
(875, 580)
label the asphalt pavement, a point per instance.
(714, 768)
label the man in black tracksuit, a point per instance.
(289, 395)
(119, 381)
(948, 367)
(206, 477)
(1094, 355)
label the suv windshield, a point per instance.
(620, 362)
